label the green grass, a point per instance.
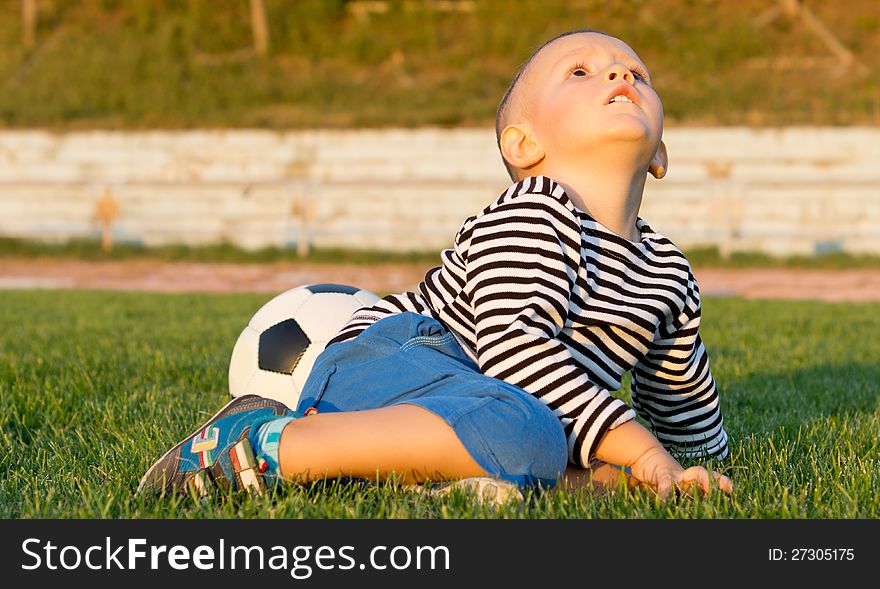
(90, 249)
(712, 258)
(94, 386)
(170, 64)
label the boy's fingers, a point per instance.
(723, 482)
(699, 475)
(693, 475)
(685, 481)
(664, 486)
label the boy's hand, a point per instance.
(630, 444)
(659, 469)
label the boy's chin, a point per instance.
(628, 140)
(628, 128)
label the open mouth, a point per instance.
(623, 93)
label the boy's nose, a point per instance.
(617, 72)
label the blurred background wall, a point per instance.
(780, 191)
(368, 124)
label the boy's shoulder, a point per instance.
(535, 192)
(661, 251)
(524, 201)
(533, 188)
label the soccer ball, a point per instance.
(276, 350)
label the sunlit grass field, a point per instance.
(94, 386)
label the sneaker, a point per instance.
(219, 454)
(486, 490)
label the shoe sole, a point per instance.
(486, 490)
(218, 415)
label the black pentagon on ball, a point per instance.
(340, 288)
(281, 347)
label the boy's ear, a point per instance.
(519, 147)
(660, 162)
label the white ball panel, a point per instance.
(243, 361)
(282, 307)
(366, 298)
(323, 315)
(273, 385)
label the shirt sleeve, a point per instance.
(521, 265)
(674, 391)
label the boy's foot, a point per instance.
(219, 454)
(486, 490)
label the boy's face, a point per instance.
(589, 92)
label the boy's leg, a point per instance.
(229, 450)
(409, 441)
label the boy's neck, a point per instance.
(607, 191)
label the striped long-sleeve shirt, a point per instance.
(546, 298)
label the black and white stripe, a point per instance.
(544, 297)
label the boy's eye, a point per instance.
(639, 75)
(579, 69)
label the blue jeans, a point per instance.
(408, 358)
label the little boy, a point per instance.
(500, 365)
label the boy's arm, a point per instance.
(674, 391)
